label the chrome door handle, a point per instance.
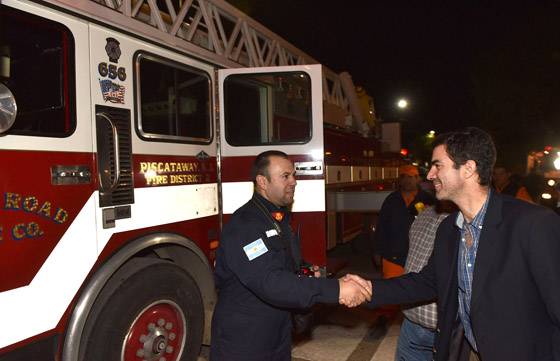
(115, 132)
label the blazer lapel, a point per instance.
(451, 285)
(488, 245)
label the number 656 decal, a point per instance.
(112, 71)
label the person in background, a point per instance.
(416, 338)
(504, 183)
(395, 217)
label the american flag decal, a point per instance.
(112, 92)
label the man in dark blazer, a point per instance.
(495, 269)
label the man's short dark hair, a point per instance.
(261, 163)
(470, 144)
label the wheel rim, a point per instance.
(157, 334)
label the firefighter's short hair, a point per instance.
(261, 163)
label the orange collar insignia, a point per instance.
(279, 216)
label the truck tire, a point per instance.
(150, 309)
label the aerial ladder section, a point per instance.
(219, 33)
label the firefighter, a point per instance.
(256, 272)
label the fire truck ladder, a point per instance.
(213, 30)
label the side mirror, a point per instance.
(8, 109)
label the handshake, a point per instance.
(354, 290)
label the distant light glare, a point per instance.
(402, 103)
(546, 196)
(557, 163)
(551, 182)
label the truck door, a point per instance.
(276, 108)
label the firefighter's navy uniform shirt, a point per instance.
(257, 287)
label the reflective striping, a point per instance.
(38, 307)
(309, 196)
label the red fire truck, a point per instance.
(127, 130)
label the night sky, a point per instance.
(494, 66)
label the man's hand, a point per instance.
(354, 290)
(364, 283)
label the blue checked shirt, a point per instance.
(465, 264)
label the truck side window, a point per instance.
(173, 101)
(37, 65)
(265, 109)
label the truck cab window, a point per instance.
(173, 101)
(37, 65)
(265, 109)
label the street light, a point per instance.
(557, 163)
(402, 103)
